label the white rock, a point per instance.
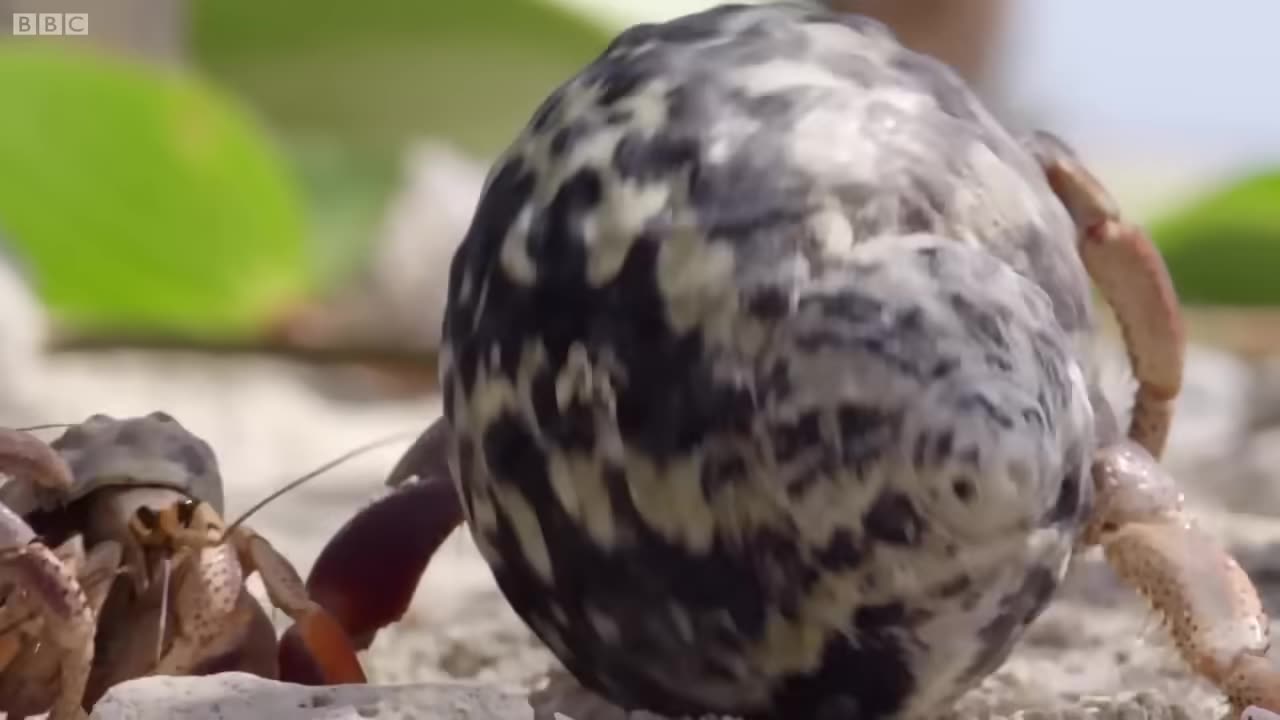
(238, 696)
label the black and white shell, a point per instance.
(764, 355)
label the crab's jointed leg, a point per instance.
(1206, 599)
(35, 671)
(47, 586)
(1131, 275)
(208, 616)
(326, 640)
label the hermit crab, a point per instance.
(144, 496)
(770, 387)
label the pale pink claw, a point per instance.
(1208, 602)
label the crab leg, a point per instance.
(403, 530)
(33, 683)
(206, 607)
(1207, 600)
(40, 579)
(214, 611)
(1133, 279)
(325, 638)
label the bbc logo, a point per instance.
(51, 23)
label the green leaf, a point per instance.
(142, 201)
(1224, 248)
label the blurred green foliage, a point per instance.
(347, 86)
(143, 201)
(1224, 248)
(375, 74)
(148, 202)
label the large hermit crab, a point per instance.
(150, 493)
(769, 387)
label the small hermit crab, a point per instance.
(769, 387)
(152, 491)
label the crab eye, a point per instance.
(186, 512)
(148, 518)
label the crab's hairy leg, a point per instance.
(327, 643)
(40, 664)
(1206, 599)
(68, 621)
(47, 585)
(207, 585)
(1133, 279)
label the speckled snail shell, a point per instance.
(763, 354)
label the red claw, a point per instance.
(317, 651)
(367, 573)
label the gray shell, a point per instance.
(153, 450)
(764, 355)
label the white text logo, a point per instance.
(51, 23)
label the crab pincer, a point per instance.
(1207, 600)
(403, 529)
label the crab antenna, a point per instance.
(360, 450)
(47, 426)
(164, 606)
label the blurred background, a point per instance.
(242, 212)
(292, 175)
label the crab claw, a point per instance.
(315, 633)
(1208, 602)
(366, 575)
(315, 650)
